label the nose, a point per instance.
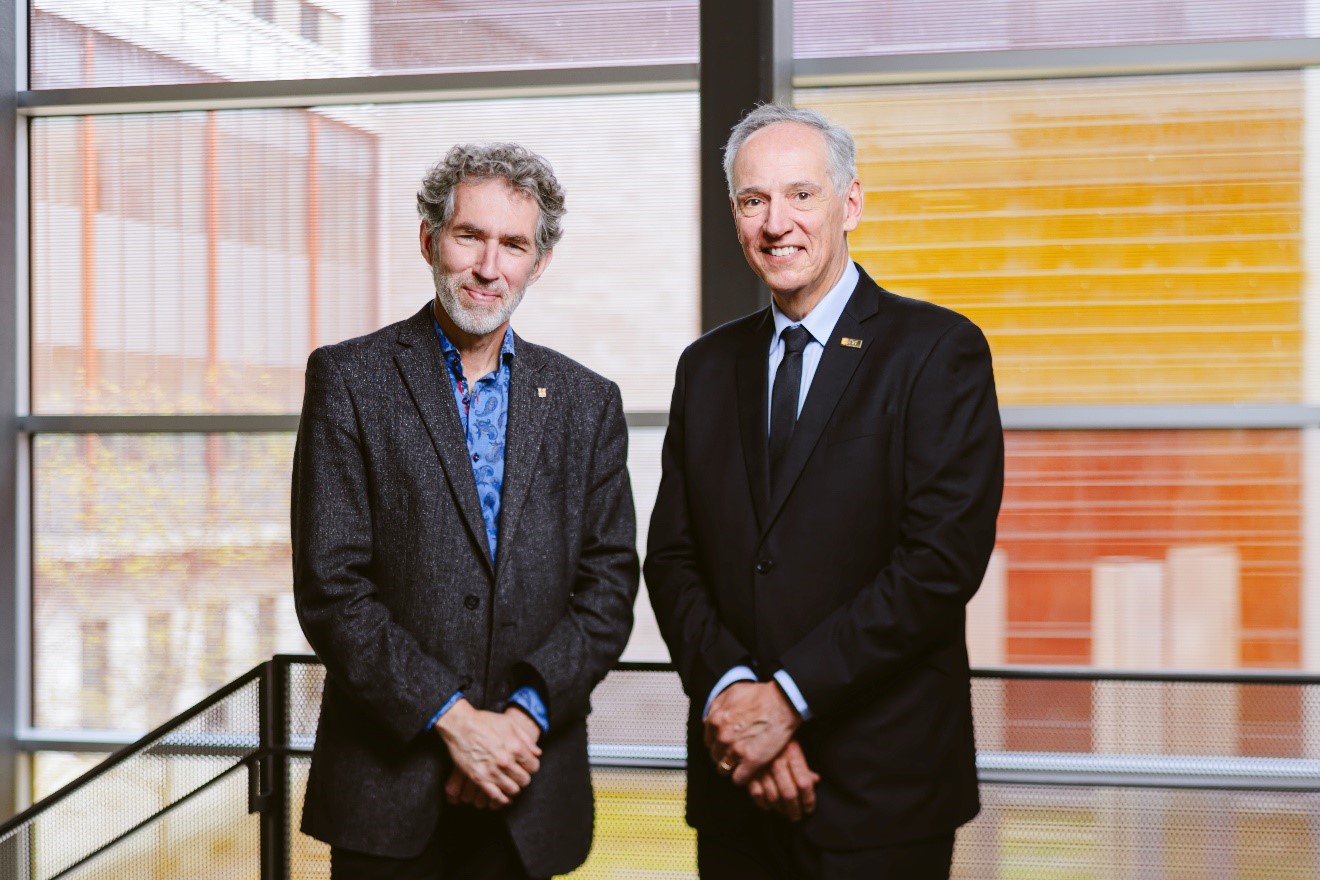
(776, 218)
(487, 267)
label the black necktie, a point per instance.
(784, 396)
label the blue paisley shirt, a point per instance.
(483, 409)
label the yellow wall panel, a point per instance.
(1131, 240)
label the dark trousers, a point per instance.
(468, 845)
(777, 850)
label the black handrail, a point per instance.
(1171, 676)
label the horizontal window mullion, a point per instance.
(401, 88)
(1015, 418)
(213, 423)
(1135, 417)
(974, 66)
(158, 424)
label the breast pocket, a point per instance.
(876, 436)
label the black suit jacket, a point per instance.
(395, 589)
(853, 574)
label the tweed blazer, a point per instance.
(396, 592)
(851, 572)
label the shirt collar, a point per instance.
(820, 321)
(451, 353)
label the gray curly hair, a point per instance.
(524, 170)
(840, 149)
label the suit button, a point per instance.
(471, 603)
(765, 566)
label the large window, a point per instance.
(1123, 194)
(1126, 243)
(185, 262)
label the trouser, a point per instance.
(468, 844)
(775, 850)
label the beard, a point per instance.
(474, 318)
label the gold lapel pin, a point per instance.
(540, 392)
(849, 342)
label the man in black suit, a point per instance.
(463, 554)
(832, 473)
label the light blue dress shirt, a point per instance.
(819, 322)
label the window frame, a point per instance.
(768, 33)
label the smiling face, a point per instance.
(485, 256)
(792, 223)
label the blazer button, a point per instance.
(765, 566)
(471, 603)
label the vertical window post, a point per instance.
(12, 357)
(746, 59)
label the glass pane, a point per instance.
(80, 43)
(160, 572)
(216, 249)
(837, 28)
(1133, 240)
(644, 469)
(1148, 549)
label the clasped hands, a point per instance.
(749, 733)
(495, 754)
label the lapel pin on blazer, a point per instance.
(849, 342)
(540, 392)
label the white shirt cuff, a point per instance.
(790, 689)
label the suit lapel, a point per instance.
(753, 416)
(837, 364)
(522, 435)
(430, 385)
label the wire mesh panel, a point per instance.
(305, 682)
(210, 837)
(1094, 833)
(1247, 734)
(1085, 775)
(1134, 778)
(309, 859)
(638, 718)
(135, 788)
(640, 831)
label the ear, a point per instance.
(541, 265)
(852, 206)
(424, 239)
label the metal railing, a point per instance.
(1085, 774)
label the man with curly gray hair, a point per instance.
(464, 555)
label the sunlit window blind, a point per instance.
(176, 548)
(832, 28)
(1121, 241)
(1218, 513)
(82, 43)
(217, 249)
(1133, 240)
